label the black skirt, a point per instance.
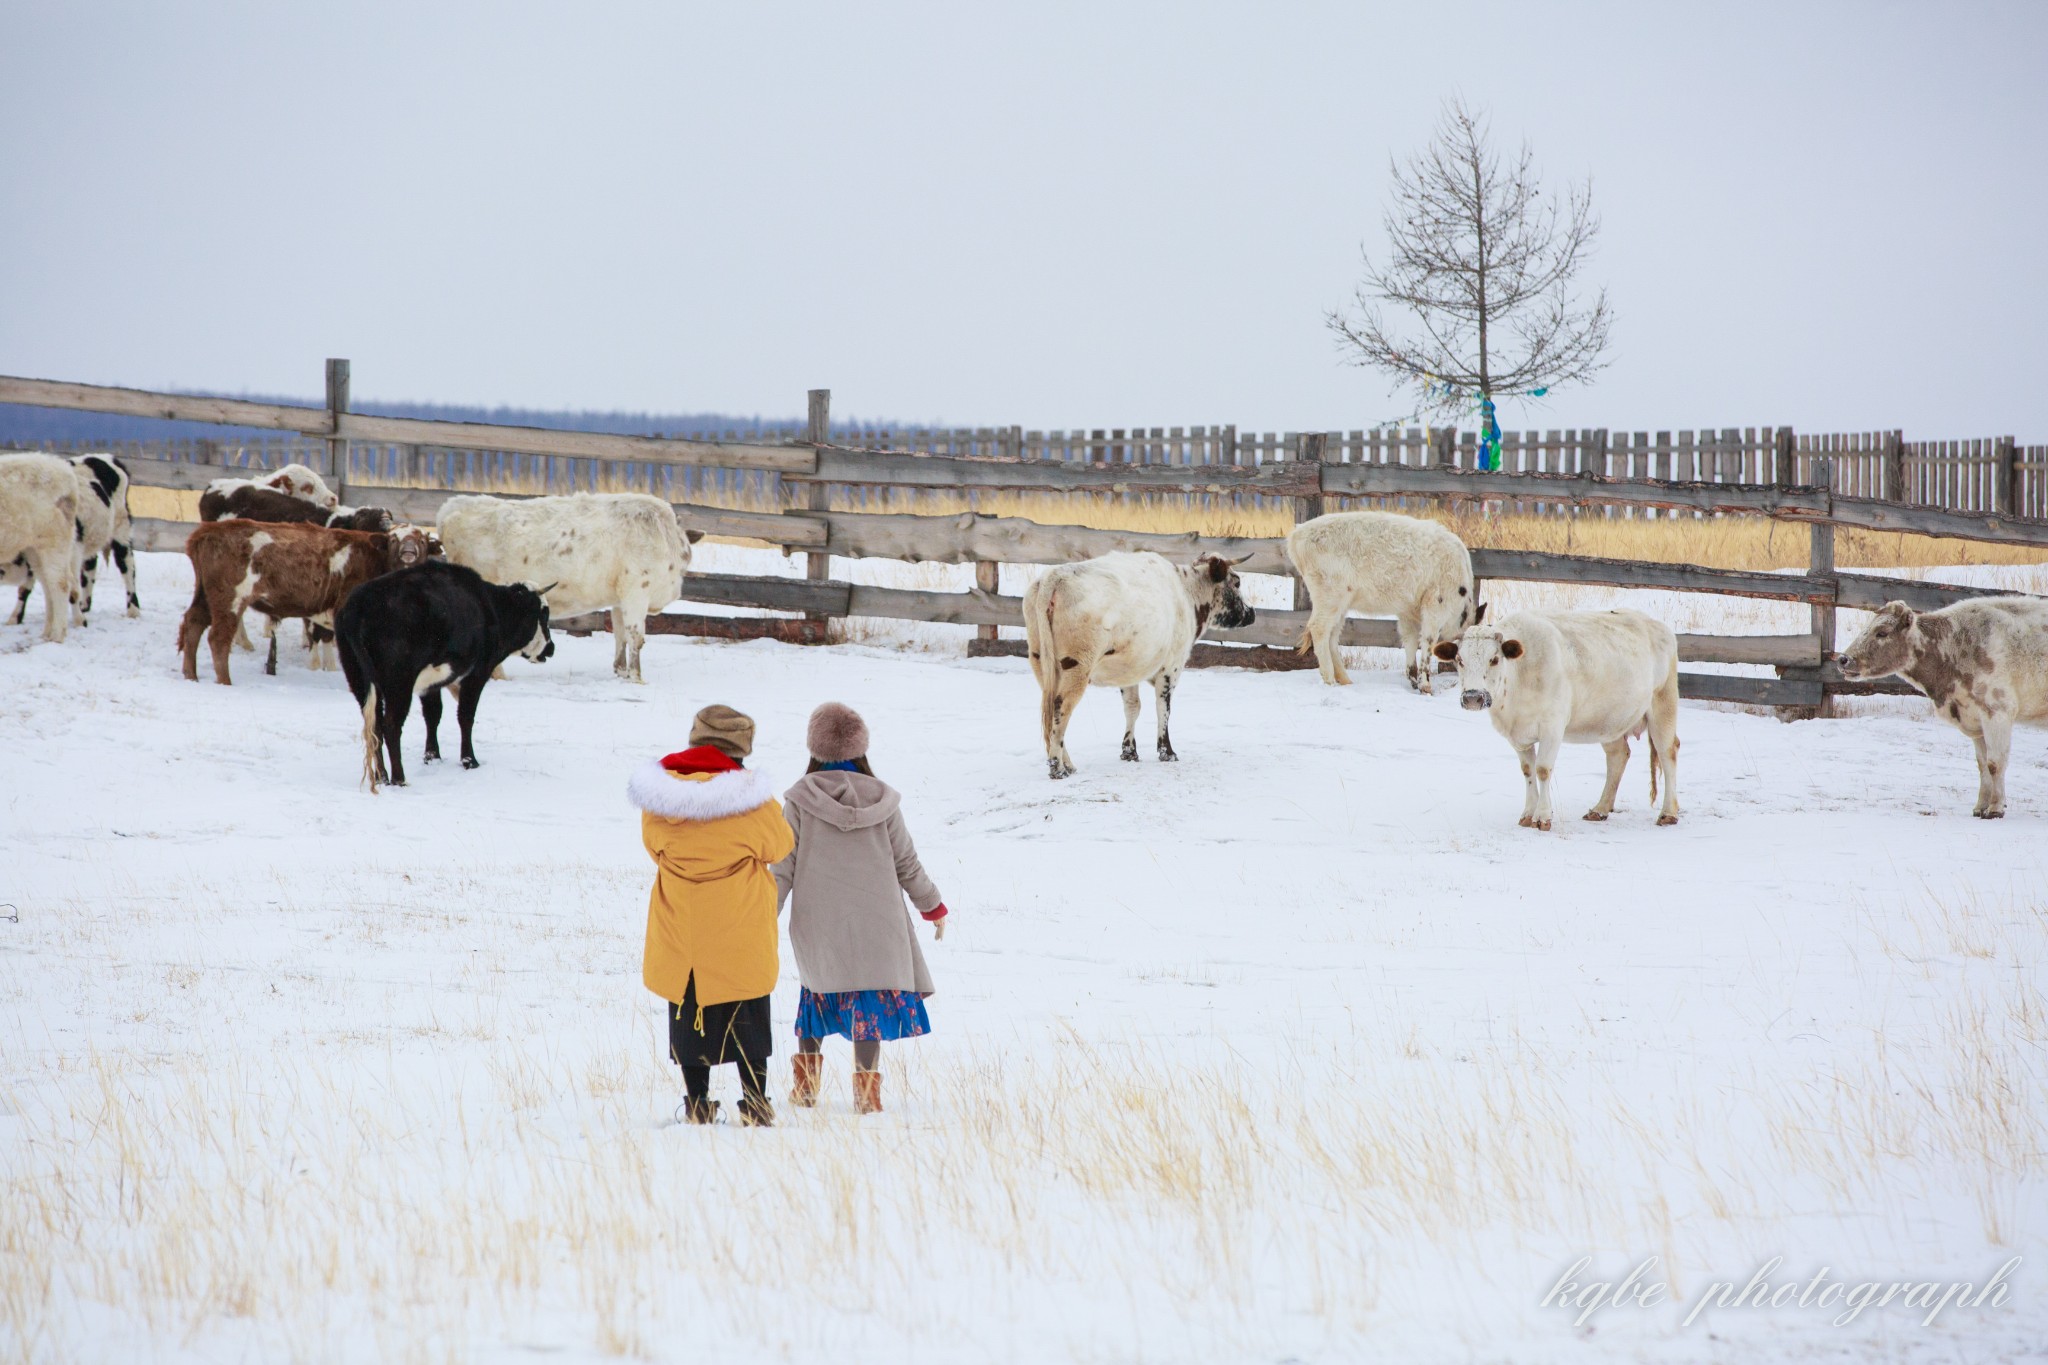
(717, 1034)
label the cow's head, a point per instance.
(1487, 658)
(411, 545)
(1887, 645)
(297, 481)
(530, 605)
(1213, 584)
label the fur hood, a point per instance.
(845, 800)
(674, 796)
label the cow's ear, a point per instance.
(693, 536)
(1511, 649)
(1447, 650)
(1479, 613)
(1219, 569)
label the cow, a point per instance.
(1583, 677)
(413, 633)
(293, 480)
(1983, 663)
(251, 502)
(229, 499)
(281, 570)
(1382, 564)
(621, 552)
(101, 525)
(39, 507)
(1120, 620)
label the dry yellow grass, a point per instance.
(1712, 542)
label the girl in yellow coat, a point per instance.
(712, 828)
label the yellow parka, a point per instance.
(712, 911)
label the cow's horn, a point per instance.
(543, 592)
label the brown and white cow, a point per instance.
(1120, 620)
(1549, 678)
(1983, 663)
(281, 570)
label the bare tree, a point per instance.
(1479, 277)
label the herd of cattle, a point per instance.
(412, 612)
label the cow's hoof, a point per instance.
(430, 758)
(134, 610)
(1596, 815)
(1129, 753)
(471, 763)
(1525, 822)
(1543, 825)
(1168, 756)
(1989, 814)
(1667, 819)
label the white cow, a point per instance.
(1584, 677)
(293, 480)
(39, 527)
(1984, 665)
(617, 552)
(1382, 564)
(1120, 620)
(102, 525)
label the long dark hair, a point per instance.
(860, 765)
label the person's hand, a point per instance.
(936, 917)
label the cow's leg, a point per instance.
(430, 712)
(1409, 626)
(1994, 751)
(21, 600)
(56, 605)
(1130, 749)
(1526, 753)
(1066, 695)
(1617, 760)
(88, 579)
(220, 638)
(629, 633)
(270, 659)
(1162, 689)
(242, 640)
(197, 618)
(1663, 727)
(465, 715)
(397, 705)
(124, 560)
(1547, 749)
(1325, 629)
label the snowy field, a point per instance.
(1298, 1050)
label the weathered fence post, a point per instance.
(1894, 483)
(988, 578)
(1820, 563)
(1308, 447)
(1784, 458)
(337, 444)
(818, 431)
(2005, 473)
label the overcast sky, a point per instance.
(1100, 214)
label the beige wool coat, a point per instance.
(853, 864)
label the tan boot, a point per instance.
(867, 1092)
(805, 1070)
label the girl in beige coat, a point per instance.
(863, 975)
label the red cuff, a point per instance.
(937, 912)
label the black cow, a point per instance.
(421, 629)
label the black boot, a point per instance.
(757, 1111)
(697, 1109)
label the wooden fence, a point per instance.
(411, 466)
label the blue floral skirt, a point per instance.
(863, 1016)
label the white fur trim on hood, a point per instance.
(659, 792)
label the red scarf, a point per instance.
(701, 759)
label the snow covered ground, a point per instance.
(1297, 1050)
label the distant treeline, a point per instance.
(24, 425)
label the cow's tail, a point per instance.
(1653, 770)
(1305, 644)
(355, 668)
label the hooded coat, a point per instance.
(712, 912)
(852, 865)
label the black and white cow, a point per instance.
(413, 632)
(100, 525)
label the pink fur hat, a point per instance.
(837, 733)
